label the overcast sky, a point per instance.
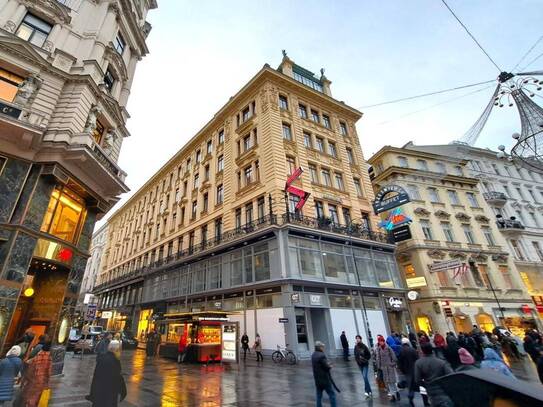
(203, 52)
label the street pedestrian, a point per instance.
(24, 343)
(395, 343)
(451, 351)
(157, 343)
(37, 373)
(345, 346)
(107, 385)
(182, 348)
(116, 345)
(439, 344)
(413, 339)
(150, 345)
(245, 345)
(362, 355)
(530, 348)
(41, 340)
(322, 375)
(492, 361)
(258, 348)
(101, 346)
(427, 369)
(406, 365)
(386, 364)
(10, 367)
(467, 362)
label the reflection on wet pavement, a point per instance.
(162, 382)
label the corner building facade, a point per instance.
(214, 230)
(66, 68)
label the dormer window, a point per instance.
(109, 80)
(34, 30)
(119, 43)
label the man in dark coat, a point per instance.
(102, 345)
(345, 346)
(245, 345)
(107, 382)
(322, 376)
(429, 368)
(406, 364)
(362, 355)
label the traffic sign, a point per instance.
(444, 265)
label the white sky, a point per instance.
(203, 52)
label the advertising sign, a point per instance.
(389, 197)
(229, 345)
(413, 282)
(91, 312)
(107, 314)
(444, 265)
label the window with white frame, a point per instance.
(307, 140)
(447, 231)
(220, 163)
(358, 187)
(487, 232)
(413, 191)
(440, 168)
(287, 132)
(422, 165)
(350, 156)
(332, 149)
(472, 199)
(34, 30)
(468, 233)
(453, 197)
(538, 251)
(426, 229)
(518, 251)
(313, 173)
(339, 181)
(433, 194)
(402, 162)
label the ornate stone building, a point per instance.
(66, 68)
(452, 221)
(211, 230)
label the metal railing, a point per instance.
(494, 196)
(324, 224)
(509, 224)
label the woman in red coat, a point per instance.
(182, 348)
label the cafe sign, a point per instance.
(395, 303)
(389, 197)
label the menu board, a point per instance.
(229, 349)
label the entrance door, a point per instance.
(318, 326)
(301, 330)
(462, 323)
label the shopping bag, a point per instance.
(44, 398)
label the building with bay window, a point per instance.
(452, 222)
(66, 68)
(214, 229)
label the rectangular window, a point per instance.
(426, 229)
(221, 137)
(453, 197)
(472, 199)
(220, 194)
(220, 163)
(538, 251)
(196, 183)
(343, 128)
(205, 203)
(237, 218)
(119, 44)
(507, 280)
(440, 168)
(339, 181)
(260, 208)
(198, 156)
(109, 80)
(326, 180)
(433, 194)
(413, 191)
(468, 233)
(358, 187)
(402, 162)
(332, 210)
(313, 173)
(315, 116)
(488, 236)
(496, 169)
(287, 132)
(326, 121)
(332, 149)
(34, 30)
(9, 85)
(447, 231)
(206, 173)
(350, 156)
(249, 213)
(191, 242)
(307, 140)
(346, 216)
(320, 144)
(247, 142)
(291, 165)
(517, 250)
(204, 234)
(302, 111)
(194, 209)
(245, 114)
(319, 209)
(422, 165)
(458, 171)
(209, 147)
(283, 102)
(65, 215)
(248, 175)
(218, 229)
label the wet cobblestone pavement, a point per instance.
(162, 382)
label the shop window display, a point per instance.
(65, 215)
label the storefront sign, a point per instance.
(444, 265)
(283, 320)
(315, 299)
(213, 319)
(47, 249)
(218, 304)
(295, 298)
(229, 350)
(413, 282)
(9, 110)
(389, 197)
(412, 295)
(395, 302)
(107, 314)
(394, 219)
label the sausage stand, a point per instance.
(206, 336)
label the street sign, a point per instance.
(283, 320)
(389, 197)
(444, 265)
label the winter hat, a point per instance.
(14, 351)
(465, 357)
(405, 341)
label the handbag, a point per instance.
(44, 398)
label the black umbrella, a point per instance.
(482, 387)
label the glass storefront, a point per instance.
(65, 215)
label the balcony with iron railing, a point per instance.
(352, 230)
(495, 198)
(511, 225)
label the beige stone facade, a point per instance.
(451, 221)
(244, 151)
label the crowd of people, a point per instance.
(414, 361)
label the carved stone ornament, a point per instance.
(51, 9)
(27, 90)
(479, 258)
(421, 211)
(499, 258)
(482, 219)
(462, 217)
(269, 97)
(109, 141)
(10, 26)
(436, 254)
(442, 214)
(404, 256)
(90, 125)
(457, 255)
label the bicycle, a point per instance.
(284, 354)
